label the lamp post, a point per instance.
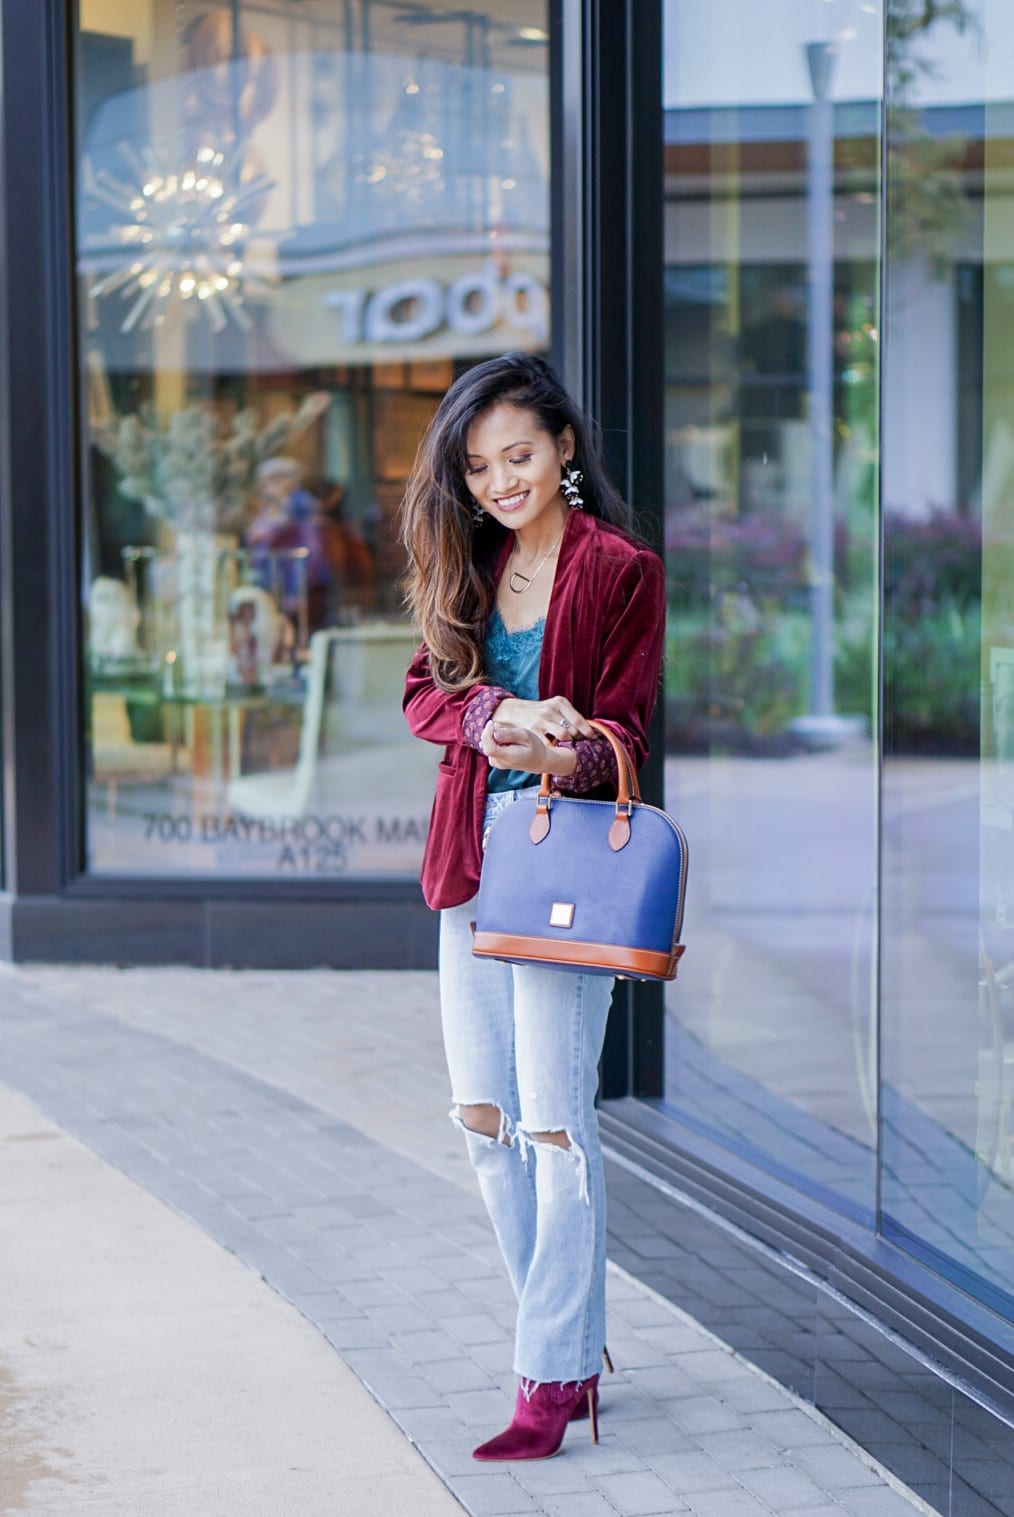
(820, 57)
(821, 727)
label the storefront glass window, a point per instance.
(772, 166)
(296, 224)
(948, 792)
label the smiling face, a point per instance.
(514, 469)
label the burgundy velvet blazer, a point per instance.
(602, 649)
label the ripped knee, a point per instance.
(560, 1140)
(485, 1118)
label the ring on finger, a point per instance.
(564, 724)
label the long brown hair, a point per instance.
(449, 585)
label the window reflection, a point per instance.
(295, 225)
(772, 1029)
(772, 266)
(948, 1134)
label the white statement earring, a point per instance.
(569, 485)
(477, 514)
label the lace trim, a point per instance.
(501, 642)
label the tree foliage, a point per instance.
(927, 205)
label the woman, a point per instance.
(538, 610)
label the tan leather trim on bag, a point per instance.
(638, 962)
(619, 832)
(540, 824)
(628, 794)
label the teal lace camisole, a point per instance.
(512, 660)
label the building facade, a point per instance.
(244, 250)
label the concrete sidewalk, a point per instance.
(298, 1119)
(143, 1369)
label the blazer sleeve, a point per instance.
(631, 659)
(441, 716)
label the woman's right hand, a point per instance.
(555, 718)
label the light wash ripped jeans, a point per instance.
(528, 1042)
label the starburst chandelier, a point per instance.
(408, 168)
(182, 234)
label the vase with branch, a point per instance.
(193, 475)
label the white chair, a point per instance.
(353, 702)
(286, 792)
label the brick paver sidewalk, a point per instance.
(299, 1119)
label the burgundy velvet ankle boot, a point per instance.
(583, 1408)
(540, 1420)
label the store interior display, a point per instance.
(294, 230)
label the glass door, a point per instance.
(772, 277)
(948, 880)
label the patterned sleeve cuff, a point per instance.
(478, 712)
(596, 766)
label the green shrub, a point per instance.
(932, 564)
(931, 680)
(737, 664)
(706, 555)
(742, 664)
(932, 631)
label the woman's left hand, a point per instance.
(510, 747)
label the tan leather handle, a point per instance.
(628, 794)
(627, 786)
(622, 761)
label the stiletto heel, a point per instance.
(580, 1412)
(593, 1413)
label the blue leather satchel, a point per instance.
(579, 884)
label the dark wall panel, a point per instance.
(266, 934)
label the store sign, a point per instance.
(432, 302)
(413, 309)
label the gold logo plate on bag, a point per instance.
(562, 914)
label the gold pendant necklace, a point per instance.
(529, 580)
